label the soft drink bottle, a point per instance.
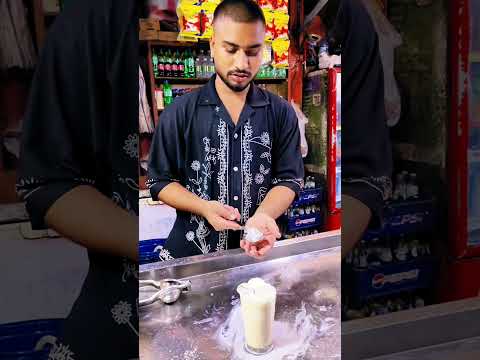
(175, 72)
(186, 72)
(180, 64)
(167, 93)
(168, 63)
(155, 64)
(161, 64)
(199, 67)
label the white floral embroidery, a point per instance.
(131, 146)
(121, 313)
(131, 183)
(60, 352)
(201, 233)
(190, 236)
(129, 269)
(247, 157)
(196, 165)
(265, 139)
(262, 192)
(85, 180)
(164, 254)
(298, 182)
(259, 179)
(222, 177)
(266, 155)
(383, 184)
(24, 187)
(263, 170)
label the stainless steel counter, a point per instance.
(438, 332)
(306, 273)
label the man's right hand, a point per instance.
(221, 217)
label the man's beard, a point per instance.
(236, 88)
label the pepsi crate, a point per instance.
(19, 340)
(392, 278)
(309, 197)
(409, 216)
(306, 221)
(146, 250)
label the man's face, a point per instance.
(236, 48)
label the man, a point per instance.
(229, 153)
(79, 167)
(366, 148)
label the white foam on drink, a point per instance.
(289, 340)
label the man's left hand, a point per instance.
(270, 231)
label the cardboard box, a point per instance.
(149, 24)
(168, 36)
(148, 35)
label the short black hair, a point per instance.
(246, 11)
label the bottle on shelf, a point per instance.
(412, 187)
(198, 66)
(211, 65)
(191, 64)
(161, 64)
(167, 93)
(203, 64)
(168, 63)
(180, 64)
(155, 64)
(175, 72)
(186, 73)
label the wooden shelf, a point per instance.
(201, 81)
(270, 80)
(182, 80)
(176, 43)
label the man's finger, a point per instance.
(230, 225)
(263, 250)
(227, 213)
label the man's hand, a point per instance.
(271, 233)
(221, 217)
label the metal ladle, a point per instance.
(169, 290)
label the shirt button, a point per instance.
(235, 198)
(235, 168)
(235, 136)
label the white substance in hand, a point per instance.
(257, 299)
(253, 235)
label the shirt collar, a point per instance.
(255, 97)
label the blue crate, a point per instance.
(146, 250)
(392, 278)
(410, 216)
(302, 222)
(18, 340)
(309, 197)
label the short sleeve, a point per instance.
(366, 148)
(167, 151)
(57, 153)
(287, 162)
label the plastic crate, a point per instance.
(309, 197)
(306, 221)
(146, 250)
(392, 278)
(18, 340)
(410, 216)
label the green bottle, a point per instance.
(180, 64)
(155, 64)
(167, 93)
(186, 64)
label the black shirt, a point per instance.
(197, 145)
(81, 128)
(366, 148)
